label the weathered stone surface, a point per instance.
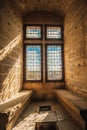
(10, 50)
(59, 6)
(11, 109)
(30, 116)
(75, 37)
(74, 104)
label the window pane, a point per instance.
(54, 62)
(33, 32)
(33, 62)
(53, 32)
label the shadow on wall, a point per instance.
(11, 68)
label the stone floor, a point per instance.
(31, 115)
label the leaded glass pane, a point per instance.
(33, 32)
(54, 62)
(33, 62)
(53, 32)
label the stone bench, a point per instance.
(12, 108)
(75, 105)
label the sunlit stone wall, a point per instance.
(10, 50)
(75, 36)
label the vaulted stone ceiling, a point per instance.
(56, 6)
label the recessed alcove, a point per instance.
(43, 47)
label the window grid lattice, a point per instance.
(54, 62)
(33, 32)
(33, 62)
(53, 32)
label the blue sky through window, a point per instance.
(33, 32)
(54, 62)
(33, 62)
(33, 56)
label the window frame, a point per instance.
(24, 31)
(46, 70)
(53, 25)
(24, 63)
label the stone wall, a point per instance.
(75, 36)
(10, 50)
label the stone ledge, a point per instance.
(13, 107)
(19, 97)
(74, 104)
